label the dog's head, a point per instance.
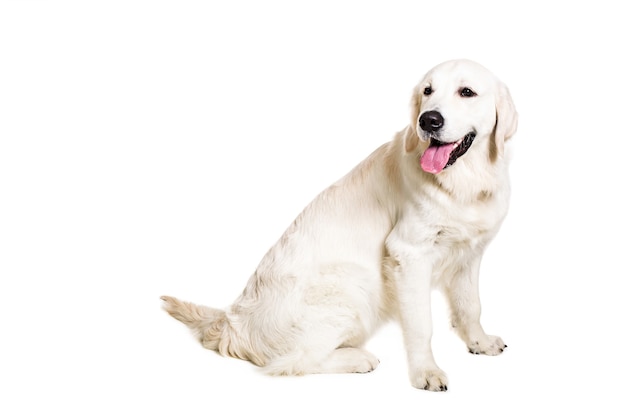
(458, 107)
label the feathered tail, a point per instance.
(206, 323)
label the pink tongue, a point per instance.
(435, 158)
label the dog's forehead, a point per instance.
(459, 73)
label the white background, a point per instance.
(161, 147)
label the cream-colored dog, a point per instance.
(416, 214)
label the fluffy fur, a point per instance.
(372, 246)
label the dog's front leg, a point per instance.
(411, 275)
(463, 298)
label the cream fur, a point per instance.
(372, 246)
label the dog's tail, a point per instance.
(208, 324)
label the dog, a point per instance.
(417, 214)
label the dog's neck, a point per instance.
(471, 183)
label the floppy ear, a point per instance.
(506, 119)
(410, 137)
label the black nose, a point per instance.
(431, 121)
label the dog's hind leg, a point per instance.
(348, 360)
(340, 360)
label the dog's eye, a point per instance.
(428, 91)
(466, 92)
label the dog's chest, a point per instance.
(467, 225)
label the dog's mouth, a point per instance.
(440, 155)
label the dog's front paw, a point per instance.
(488, 345)
(430, 379)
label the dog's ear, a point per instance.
(411, 139)
(506, 120)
